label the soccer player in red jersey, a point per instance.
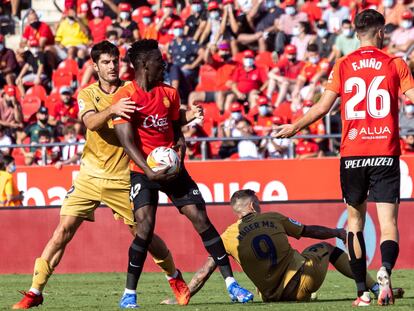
(156, 123)
(368, 82)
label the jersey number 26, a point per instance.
(374, 110)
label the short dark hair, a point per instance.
(103, 47)
(312, 48)
(306, 27)
(368, 20)
(4, 161)
(140, 50)
(346, 21)
(242, 194)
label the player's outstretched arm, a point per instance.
(410, 95)
(198, 280)
(316, 112)
(95, 120)
(125, 135)
(196, 112)
(323, 233)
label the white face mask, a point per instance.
(263, 110)
(214, 15)
(236, 115)
(12, 168)
(146, 20)
(196, 8)
(406, 24)
(248, 62)
(296, 31)
(34, 51)
(409, 109)
(314, 59)
(322, 32)
(347, 32)
(388, 3)
(270, 4)
(178, 32)
(124, 15)
(290, 10)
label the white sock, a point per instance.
(175, 274)
(129, 291)
(229, 280)
(35, 291)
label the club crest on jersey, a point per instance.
(369, 133)
(81, 104)
(166, 102)
(97, 98)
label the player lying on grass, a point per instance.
(259, 243)
(103, 177)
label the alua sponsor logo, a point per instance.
(375, 132)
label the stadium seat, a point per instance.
(70, 65)
(207, 78)
(18, 156)
(51, 102)
(38, 91)
(62, 77)
(264, 59)
(30, 106)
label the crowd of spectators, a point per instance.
(252, 64)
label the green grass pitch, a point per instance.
(102, 292)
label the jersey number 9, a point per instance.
(264, 249)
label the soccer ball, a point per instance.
(161, 157)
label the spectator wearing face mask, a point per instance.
(185, 56)
(125, 25)
(9, 193)
(302, 36)
(228, 129)
(247, 149)
(212, 32)
(306, 147)
(261, 116)
(196, 22)
(335, 15)
(284, 75)
(392, 11)
(8, 64)
(310, 75)
(407, 117)
(99, 24)
(230, 25)
(247, 81)
(403, 37)
(66, 110)
(37, 30)
(224, 65)
(147, 27)
(71, 32)
(166, 16)
(36, 69)
(70, 154)
(325, 41)
(346, 42)
(52, 152)
(286, 23)
(274, 148)
(407, 144)
(11, 116)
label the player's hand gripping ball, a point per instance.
(162, 157)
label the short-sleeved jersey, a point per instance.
(103, 155)
(368, 81)
(259, 243)
(152, 120)
(249, 80)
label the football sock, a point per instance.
(389, 253)
(229, 280)
(129, 291)
(215, 247)
(42, 272)
(166, 264)
(341, 263)
(136, 259)
(173, 276)
(358, 263)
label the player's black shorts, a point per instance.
(181, 190)
(376, 178)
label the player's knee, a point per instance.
(62, 235)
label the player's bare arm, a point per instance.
(410, 95)
(196, 112)
(125, 135)
(198, 280)
(316, 112)
(179, 140)
(95, 120)
(323, 233)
